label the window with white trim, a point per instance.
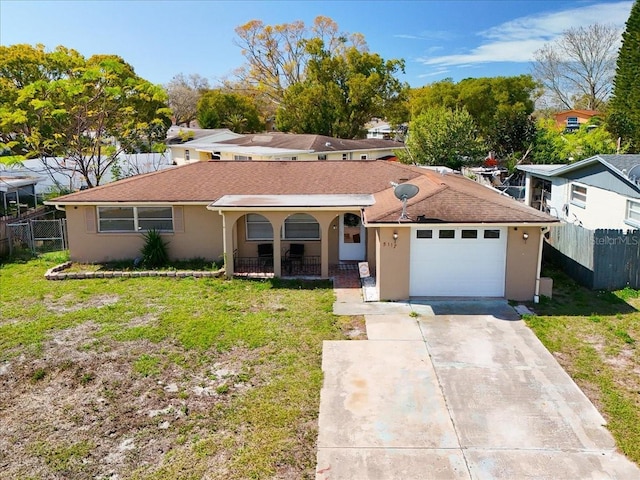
(578, 195)
(363, 156)
(258, 227)
(301, 226)
(633, 212)
(242, 157)
(135, 219)
(322, 156)
(186, 155)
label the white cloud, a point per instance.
(518, 39)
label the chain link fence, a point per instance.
(38, 235)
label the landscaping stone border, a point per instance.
(58, 273)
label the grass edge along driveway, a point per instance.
(595, 336)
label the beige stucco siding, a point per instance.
(392, 263)
(198, 234)
(522, 263)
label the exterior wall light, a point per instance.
(395, 237)
(525, 236)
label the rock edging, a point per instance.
(58, 273)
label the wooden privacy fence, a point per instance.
(603, 259)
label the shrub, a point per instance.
(154, 252)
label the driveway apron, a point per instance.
(453, 394)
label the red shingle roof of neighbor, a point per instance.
(316, 143)
(442, 198)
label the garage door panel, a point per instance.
(459, 266)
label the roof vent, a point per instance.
(327, 144)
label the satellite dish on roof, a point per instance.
(403, 192)
(634, 174)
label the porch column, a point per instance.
(227, 244)
(325, 222)
(276, 223)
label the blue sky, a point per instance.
(437, 39)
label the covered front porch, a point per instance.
(313, 234)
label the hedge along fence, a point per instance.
(58, 273)
(602, 259)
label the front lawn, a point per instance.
(157, 378)
(595, 336)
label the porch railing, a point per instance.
(306, 266)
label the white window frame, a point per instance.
(363, 156)
(578, 199)
(135, 217)
(187, 156)
(633, 206)
(252, 218)
(310, 219)
(242, 157)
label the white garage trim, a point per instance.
(464, 261)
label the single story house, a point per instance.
(602, 191)
(453, 238)
(282, 146)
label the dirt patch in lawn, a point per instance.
(92, 407)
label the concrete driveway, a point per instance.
(456, 393)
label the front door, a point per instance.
(352, 237)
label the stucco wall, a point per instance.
(392, 263)
(178, 155)
(198, 234)
(522, 263)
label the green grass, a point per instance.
(594, 336)
(118, 348)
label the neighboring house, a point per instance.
(599, 192)
(457, 238)
(17, 193)
(571, 120)
(282, 146)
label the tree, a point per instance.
(553, 145)
(77, 114)
(500, 106)
(624, 113)
(276, 54)
(218, 109)
(183, 93)
(441, 136)
(340, 92)
(579, 67)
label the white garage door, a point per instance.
(458, 262)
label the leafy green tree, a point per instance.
(218, 109)
(277, 56)
(77, 114)
(624, 112)
(500, 106)
(441, 136)
(553, 145)
(340, 92)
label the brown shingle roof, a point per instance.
(208, 181)
(452, 198)
(448, 198)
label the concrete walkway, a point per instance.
(463, 391)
